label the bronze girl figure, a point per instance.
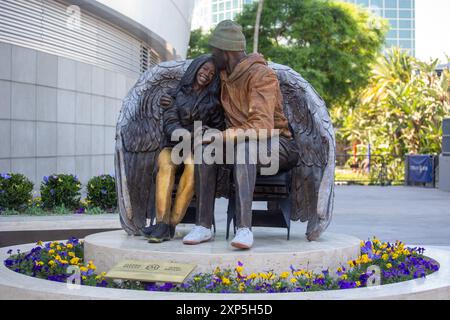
(197, 98)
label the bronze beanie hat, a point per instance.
(228, 36)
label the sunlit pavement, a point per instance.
(413, 215)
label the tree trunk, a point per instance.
(257, 26)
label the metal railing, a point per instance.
(366, 170)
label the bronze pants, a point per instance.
(244, 176)
(165, 182)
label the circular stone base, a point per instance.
(271, 251)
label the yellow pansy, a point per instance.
(365, 258)
(358, 283)
(294, 280)
(69, 246)
(241, 287)
(51, 252)
(226, 281)
(344, 277)
(74, 261)
(239, 269)
(284, 275)
(389, 266)
(252, 276)
(385, 257)
(71, 254)
(51, 263)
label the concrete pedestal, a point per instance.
(270, 252)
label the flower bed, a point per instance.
(395, 262)
(60, 194)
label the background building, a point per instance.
(208, 13)
(65, 67)
(402, 19)
(400, 13)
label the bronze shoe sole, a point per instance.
(241, 246)
(157, 240)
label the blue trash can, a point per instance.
(420, 170)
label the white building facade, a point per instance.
(208, 13)
(65, 67)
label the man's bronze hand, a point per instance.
(165, 100)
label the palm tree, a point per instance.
(257, 26)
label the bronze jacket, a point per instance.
(185, 110)
(252, 99)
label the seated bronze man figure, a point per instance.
(196, 98)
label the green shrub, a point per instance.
(15, 191)
(61, 191)
(101, 192)
(94, 211)
(61, 210)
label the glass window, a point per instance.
(406, 44)
(228, 16)
(221, 6)
(214, 7)
(377, 3)
(391, 3)
(390, 13)
(392, 34)
(229, 5)
(405, 14)
(221, 17)
(393, 23)
(215, 18)
(391, 43)
(236, 4)
(405, 4)
(405, 24)
(405, 34)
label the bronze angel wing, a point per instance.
(313, 178)
(138, 143)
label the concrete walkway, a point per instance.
(414, 215)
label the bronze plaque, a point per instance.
(151, 271)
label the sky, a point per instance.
(432, 29)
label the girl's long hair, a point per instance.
(209, 96)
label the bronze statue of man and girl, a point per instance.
(231, 91)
